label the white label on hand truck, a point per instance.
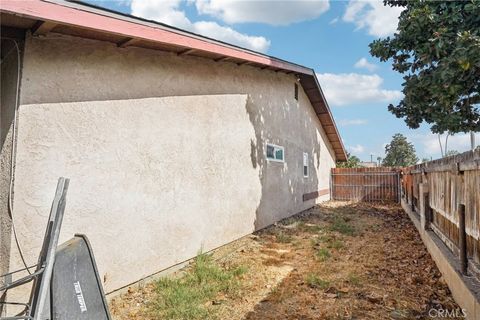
(81, 300)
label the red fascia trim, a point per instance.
(48, 11)
(57, 13)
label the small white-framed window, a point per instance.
(275, 153)
(305, 165)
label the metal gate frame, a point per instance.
(373, 185)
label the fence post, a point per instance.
(462, 241)
(411, 198)
(399, 187)
(428, 211)
(424, 206)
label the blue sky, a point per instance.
(330, 36)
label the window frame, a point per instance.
(275, 148)
(305, 165)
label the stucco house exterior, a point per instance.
(173, 142)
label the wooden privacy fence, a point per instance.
(449, 191)
(366, 184)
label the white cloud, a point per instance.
(429, 141)
(271, 12)
(363, 63)
(166, 11)
(378, 19)
(352, 122)
(356, 149)
(214, 30)
(354, 88)
(169, 12)
(333, 21)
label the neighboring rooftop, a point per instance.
(84, 20)
(368, 164)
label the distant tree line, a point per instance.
(398, 153)
(352, 162)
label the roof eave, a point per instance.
(133, 30)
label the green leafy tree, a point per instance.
(425, 160)
(352, 162)
(437, 49)
(399, 152)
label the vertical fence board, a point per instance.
(449, 186)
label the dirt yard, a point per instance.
(335, 261)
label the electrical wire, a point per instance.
(12, 156)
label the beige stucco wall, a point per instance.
(166, 154)
(9, 73)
